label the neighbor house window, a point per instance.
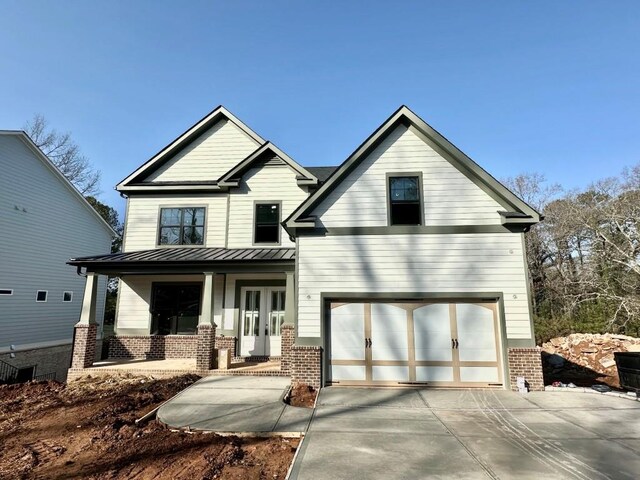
(267, 223)
(181, 226)
(6, 291)
(405, 207)
(67, 296)
(41, 296)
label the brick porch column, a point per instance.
(527, 363)
(288, 327)
(85, 331)
(287, 333)
(206, 354)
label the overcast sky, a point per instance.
(551, 87)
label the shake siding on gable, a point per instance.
(42, 225)
(269, 183)
(450, 198)
(412, 263)
(210, 156)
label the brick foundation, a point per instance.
(306, 365)
(84, 345)
(228, 343)
(155, 347)
(286, 343)
(206, 355)
(527, 363)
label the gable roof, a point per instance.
(301, 218)
(40, 155)
(180, 143)
(232, 177)
(322, 173)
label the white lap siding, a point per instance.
(450, 198)
(425, 263)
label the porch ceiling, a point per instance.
(189, 259)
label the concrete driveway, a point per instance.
(466, 434)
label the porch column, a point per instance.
(206, 355)
(85, 331)
(288, 326)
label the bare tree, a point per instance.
(65, 154)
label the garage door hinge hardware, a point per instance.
(367, 343)
(454, 343)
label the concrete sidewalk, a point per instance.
(236, 404)
(359, 433)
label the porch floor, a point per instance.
(174, 366)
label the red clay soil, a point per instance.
(87, 430)
(303, 395)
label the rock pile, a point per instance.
(584, 357)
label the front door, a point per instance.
(262, 315)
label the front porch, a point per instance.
(180, 308)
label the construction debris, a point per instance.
(585, 358)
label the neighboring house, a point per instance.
(404, 265)
(43, 221)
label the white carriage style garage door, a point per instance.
(437, 343)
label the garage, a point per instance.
(443, 343)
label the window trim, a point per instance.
(159, 226)
(388, 177)
(46, 296)
(9, 290)
(70, 299)
(255, 220)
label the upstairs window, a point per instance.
(405, 205)
(267, 223)
(181, 226)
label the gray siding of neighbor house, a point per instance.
(43, 223)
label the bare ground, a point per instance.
(87, 430)
(302, 395)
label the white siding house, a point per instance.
(404, 265)
(43, 221)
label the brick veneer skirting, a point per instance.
(527, 363)
(206, 357)
(286, 344)
(84, 345)
(306, 365)
(153, 346)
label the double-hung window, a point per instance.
(181, 226)
(405, 205)
(267, 223)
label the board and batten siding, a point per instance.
(449, 197)
(143, 218)
(267, 183)
(43, 223)
(210, 156)
(421, 263)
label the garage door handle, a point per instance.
(367, 342)
(456, 340)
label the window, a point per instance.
(181, 226)
(267, 223)
(6, 291)
(277, 312)
(67, 296)
(41, 296)
(404, 201)
(175, 308)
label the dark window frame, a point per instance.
(257, 203)
(181, 226)
(392, 175)
(153, 320)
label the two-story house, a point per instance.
(43, 221)
(404, 265)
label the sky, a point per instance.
(545, 86)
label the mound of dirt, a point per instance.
(302, 395)
(87, 430)
(585, 359)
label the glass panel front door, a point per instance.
(261, 321)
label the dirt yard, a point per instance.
(303, 395)
(87, 430)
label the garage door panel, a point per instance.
(389, 332)
(348, 372)
(434, 374)
(479, 374)
(432, 333)
(476, 333)
(390, 373)
(347, 332)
